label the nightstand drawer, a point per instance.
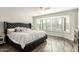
(1, 39)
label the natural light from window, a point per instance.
(53, 24)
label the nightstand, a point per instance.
(2, 39)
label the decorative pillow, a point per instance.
(18, 29)
(28, 29)
(21, 29)
(10, 30)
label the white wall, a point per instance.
(73, 20)
(13, 15)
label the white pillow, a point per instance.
(24, 29)
(18, 29)
(28, 29)
(10, 30)
(21, 29)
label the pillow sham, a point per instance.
(10, 30)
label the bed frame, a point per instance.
(28, 47)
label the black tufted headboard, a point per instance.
(8, 25)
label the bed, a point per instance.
(28, 46)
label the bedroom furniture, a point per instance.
(2, 39)
(30, 46)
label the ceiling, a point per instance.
(32, 11)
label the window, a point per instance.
(38, 24)
(44, 27)
(57, 24)
(67, 21)
(50, 24)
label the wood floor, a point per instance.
(53, 44)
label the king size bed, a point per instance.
(21, 37)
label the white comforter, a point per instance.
(26, 37)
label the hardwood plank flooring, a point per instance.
(57, 44)
(53, 44)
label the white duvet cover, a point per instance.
(23, 38)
